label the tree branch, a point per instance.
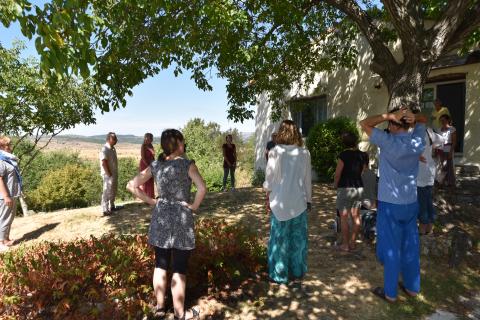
(407, 20)
(35, 154)
(453, 27)
(383, 61)
(468, 25)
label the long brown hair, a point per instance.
(289, 134)
(146, 136)
(170, 141)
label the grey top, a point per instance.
(10, 179)
(172, 224)
(109, 153)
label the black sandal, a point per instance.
(159, 313)
(379, 292)
(195, 315)
(405, 290)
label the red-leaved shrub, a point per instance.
(110, 277)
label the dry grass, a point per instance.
(337, 286)
(90, 150)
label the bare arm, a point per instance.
(235, 154)
(5, 194)
(134, 186)
(308, 179)
(106, 167)
(454, 144)
(200, 184)
(338, 173)
(143, 155)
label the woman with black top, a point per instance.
(229, 162)
(348, 181)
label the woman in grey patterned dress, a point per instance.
(172, 227)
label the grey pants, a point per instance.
(232, 177)
(6, 218)
(109, 192)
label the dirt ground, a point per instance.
(337, 285)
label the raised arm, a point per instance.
(197, 179)
(134, 186)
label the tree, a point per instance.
(260, 47)
(30, 108)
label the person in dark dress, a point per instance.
(348, 181)
(147, 154)
(229, 162)
(171, 230)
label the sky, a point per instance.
(161, 102)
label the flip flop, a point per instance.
(379, 292)
(405, 290)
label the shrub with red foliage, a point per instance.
(110, 277)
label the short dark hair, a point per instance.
(110, 135)
(349, 139)
(446, 117)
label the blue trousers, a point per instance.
(398, 246)
(426, 212)
(287, 248)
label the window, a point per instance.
(308, 112)
(428, 96)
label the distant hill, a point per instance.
(122, 138)
(100, 139)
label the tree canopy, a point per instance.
(259, 47)
(31, 107)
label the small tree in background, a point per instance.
(325, 144)
(33, 109)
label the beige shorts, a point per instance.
(348, 198)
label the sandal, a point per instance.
(159, 313)
(379, 292)
(195, 315)
(405, 290)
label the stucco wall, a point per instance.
(356, 94)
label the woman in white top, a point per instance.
(425, 182)
(288, 184)
(449, 134)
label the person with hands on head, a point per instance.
(398, 247)
(171, 231)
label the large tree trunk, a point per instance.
(405, 86)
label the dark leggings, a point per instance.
(180, 259)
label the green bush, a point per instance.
(72, 186)
(325, 144)
(44, 163)
(258, 178)
(110, 277)
(127, 169)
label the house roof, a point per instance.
(453, 60)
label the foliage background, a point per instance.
(325, 144)
(62, 179)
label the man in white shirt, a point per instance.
(425, 182)
(109, 173)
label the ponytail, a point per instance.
(170, 141)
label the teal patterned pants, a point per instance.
(287, 248)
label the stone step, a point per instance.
(467, 170)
